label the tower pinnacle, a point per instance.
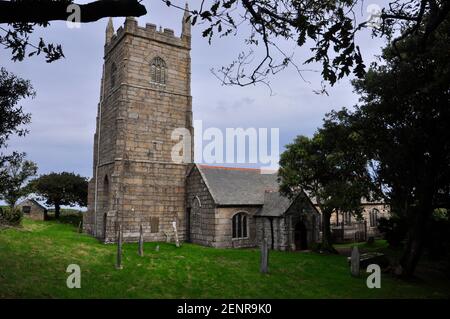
(186, 30)
(109, 31)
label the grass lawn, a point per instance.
(33, 262)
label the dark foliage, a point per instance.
(394, 230)
(10, 217)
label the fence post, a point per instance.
(141, 241)
(365, 230)
(119, 248)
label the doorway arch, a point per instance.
(301, 236)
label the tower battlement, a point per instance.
(151, 32)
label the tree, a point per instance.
(61, 189)
(13, 178)
(12, 116)
(403, 119)
(24, 15)
(330, 169)
(328, 28)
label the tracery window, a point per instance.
(373, 217)
(158, 71)
(239, 225)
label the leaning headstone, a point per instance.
(119, 249)
(354, 262)
(264, 257)
(157, 248)
(141, 241)
(174, 225)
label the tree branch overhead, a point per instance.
(48, 10)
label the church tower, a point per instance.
(145, 96)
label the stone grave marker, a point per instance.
(264, 257)
(354, 262)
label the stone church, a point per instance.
(145, 96)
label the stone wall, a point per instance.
(201, 210)
(224, 230)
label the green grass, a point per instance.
(33, 262)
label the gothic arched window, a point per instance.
(196, 213)
(158, 71)
(239, 225)
(373, 217)
(113, 75)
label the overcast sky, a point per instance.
(64, 110)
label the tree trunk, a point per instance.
(57, 211)
(27, 11)
(327, 244)
(414, 244)
(416, 235)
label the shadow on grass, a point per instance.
(70, 217)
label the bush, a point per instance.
(10, 217)
(394, 230)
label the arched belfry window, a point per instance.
(113, 75)
(158, 71)
(239, 225)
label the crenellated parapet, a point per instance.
(150, 32)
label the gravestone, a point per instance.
(119, 249)
(141, 241)
(264, 257)
(174, 225)
(354, 262)
(157, 248)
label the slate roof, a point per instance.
(237, 186)
(274, 204)
(34, 202)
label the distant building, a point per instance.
(32, 209)
(347, 227)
